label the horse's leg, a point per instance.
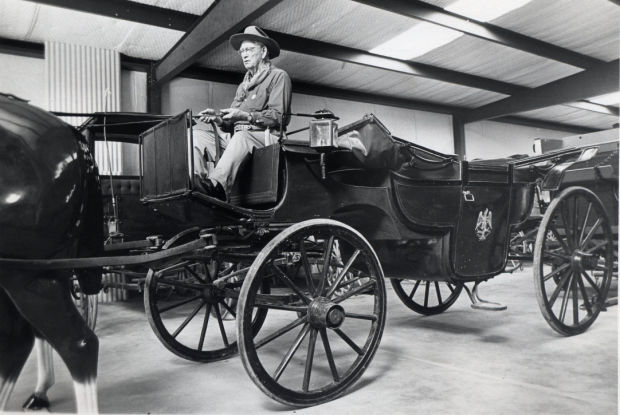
(45, 376)
(16, 339)
(46, 303)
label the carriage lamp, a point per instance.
(323, 133)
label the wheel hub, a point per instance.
(581, 261)
(323, 313)
(211, 295)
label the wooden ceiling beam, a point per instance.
(129, 10)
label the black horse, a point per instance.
(50, 207)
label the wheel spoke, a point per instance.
(178, 304)
(371, 317)
(344, 271)
(415, 287)
(575, 300)
(309, 359)
(228, 308)
(220, 323)
(349, 282)
(280, 332)
(558, 289)
(590, 234)
(556, 271)
(188, 319)
(558, 237)
(306, 265)
(585, 222)
(195, 274)
(575, 225)
(326, 261)
(181, 284)
(564, 305)
(285, 279)
(355, 291)
(450, 287)
(330, 356)
(348, 341)
(426, 294)
(556, 255)
(438, 293)
(584, 294)
(205, 323)
(596, 246)
(569, 235)
(291, 351)
(592, 284)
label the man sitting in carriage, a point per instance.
(257, 116)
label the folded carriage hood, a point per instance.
(43, 163)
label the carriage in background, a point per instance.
(317, 222)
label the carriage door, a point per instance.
(480, 244)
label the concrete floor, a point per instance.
(463, 361)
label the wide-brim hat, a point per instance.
(256, 34)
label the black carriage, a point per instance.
(316, 223)
(290, 272)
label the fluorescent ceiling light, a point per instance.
(607, 99)
(416, 41)
(485, 10)
(425, 36)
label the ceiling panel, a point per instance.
(491, 60)
(342, 22)
(37, 23)
(589, 27)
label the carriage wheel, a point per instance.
(326, 316)
(426, 297)
(185, 305)
(573, 261)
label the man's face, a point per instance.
(251, 53)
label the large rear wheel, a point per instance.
(573, 261)
(326, 312)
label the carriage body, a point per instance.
(445, 219)
(301, 250)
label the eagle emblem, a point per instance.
(484, 225)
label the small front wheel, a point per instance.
(326, 312)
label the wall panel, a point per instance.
(85, 79)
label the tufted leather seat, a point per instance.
(123, 185)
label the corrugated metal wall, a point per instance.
(83, 79)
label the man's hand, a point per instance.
(235, 114)
(210, 115)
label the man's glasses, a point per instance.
(246, 50)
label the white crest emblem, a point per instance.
(484, 225)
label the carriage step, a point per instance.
(478, 303)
